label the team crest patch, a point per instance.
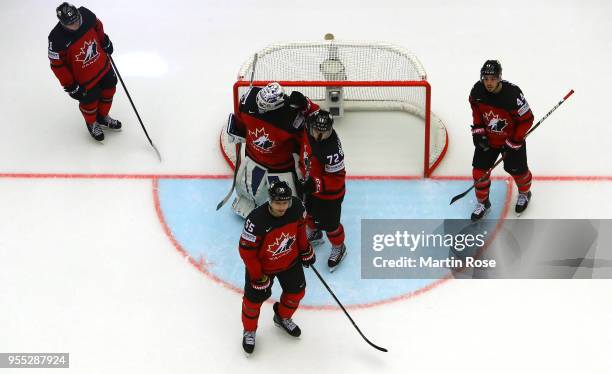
(494, 123)
(261, 140)
(282, 244)
(89, 53)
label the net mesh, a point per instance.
(373, 76)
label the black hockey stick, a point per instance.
(306, 176)
(238, 147)
(344, 310)
(484, 177)
(134, 107)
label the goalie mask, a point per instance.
(271, 97)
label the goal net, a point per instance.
(350, 76)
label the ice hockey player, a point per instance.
(324, 188)
(78, 50)
(501, 118)
(271, 124)
(273, 244)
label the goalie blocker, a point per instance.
(271, 124)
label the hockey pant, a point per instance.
(252, 182)
(99, 99)
(293, 284)
(325, 215)
(515, 164)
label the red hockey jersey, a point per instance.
(504, 115)
(269, 244)
(272, 137)
(77, 56)
(327, 166)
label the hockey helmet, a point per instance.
(280, 191)
(68, 14)
(491, 67)
(270, 97)
(321, 121)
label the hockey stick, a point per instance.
(344, 310)
(306, 176)
(238, 147)
(236, 166)
(134, 107)
(484, 177)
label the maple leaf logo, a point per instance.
(282, 244)
(261, 140)
(88, 53)
(494, 123)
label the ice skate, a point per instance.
(481, 210)
(522, 202)
(248, 342)
(315, 237)
(286, 324)
(336, 256)
(109, 122)
(95, 131)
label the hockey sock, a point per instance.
(523, 182)
(289, 302)
(482, 188)
(106, 101)
(336, 237)
(89, 111)
(250, 314)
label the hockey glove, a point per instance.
(512, 145)
(298, 101)
(479, 137)
(234, 134)
(107, 45)
(261, 284)
(76, 91)
(311, 185)
(308, 257)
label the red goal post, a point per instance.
(366, 76)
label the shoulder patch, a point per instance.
(248, 236)
(54, 55)
(521, 103)
(335, 167)
(524, 109)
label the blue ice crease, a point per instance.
(188, 207)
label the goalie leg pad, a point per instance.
(244, 202)
(252, 182)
